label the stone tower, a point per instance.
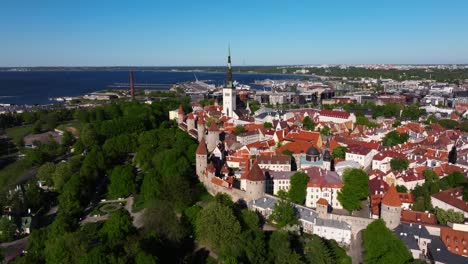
(201, 158)
(390, 210)
(255, 183)
(190, 122)
(327, 160)
(201, 128)
(322, 208)
(213, 136)
(180, 115)
(229, 91)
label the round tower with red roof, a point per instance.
(390, 210)
(201, 128)
(255, 183)
(213, 136)
(180, 115)
(201, 158)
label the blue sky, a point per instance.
(174, 32)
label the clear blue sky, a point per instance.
(270, 32)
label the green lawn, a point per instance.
(19, 132)
(72, 126)
(10, 173)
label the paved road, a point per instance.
(13, 249)
(355, 249)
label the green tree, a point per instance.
(399, 164)
(298, 190)
(217, 227)
(430, 176)
(239, 129)
(396, 124)
(121, 182)
(453, 180)
(88, 136)
(117, 227)
(7, 230)
(393, 138)
(267, 125)
(68, 139)
(283, 212)
(448, 216)
(355, 189)
(308, 124)
(339, 152)
(161, 221)
(382, 246)
(66, 248)
(448, 123)
(280, 249)
(325, 131)
(401, 189)
(45, 173)
(145, 258)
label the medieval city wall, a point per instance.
(357, 223)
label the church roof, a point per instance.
(392, 198)
(256, 174)
(201, 150)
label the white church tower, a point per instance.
(229, 91)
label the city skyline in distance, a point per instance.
(180, 33)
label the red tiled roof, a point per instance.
(213, 127)
(332, 113)
(391, 198)
(388, 154)
(201, 120)
(180, 110)
(322, 201)
(201, 149)
(296, 147)
(406, 197)
(418, 217)
(303, 135)
(358, 149)
(322, 178)
(276, 159)
(453, 197)
(256, 174)
(455, 239)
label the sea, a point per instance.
(37, 87)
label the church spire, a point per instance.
(229, 83)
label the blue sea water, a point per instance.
(36, 87)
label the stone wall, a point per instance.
(357, 223)
(235, 194)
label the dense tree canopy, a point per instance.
(283, 212)
(399, 164)
(121, 182)
(297, 192)
(308, 124)
(355, 189)
(339, 152)
(382, 246)
(394, 138)
(448, 216)
(217, 227)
